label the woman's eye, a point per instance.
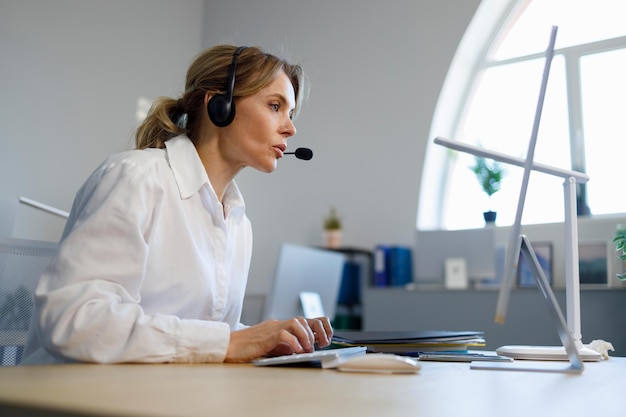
(275, 107)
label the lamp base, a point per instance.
(547, 353)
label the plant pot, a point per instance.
(490, 216)
(332, 238)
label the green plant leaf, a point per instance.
(332, 221)
(489, 174)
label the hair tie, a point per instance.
(181, 123)
(179, 110)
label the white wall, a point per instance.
(70, 75)
(72, 71)
(376, 69)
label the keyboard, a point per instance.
(328, 358)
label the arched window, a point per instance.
(489, 99)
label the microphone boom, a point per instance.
(302, 153)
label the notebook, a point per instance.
(410, 341)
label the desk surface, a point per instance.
(440, 389)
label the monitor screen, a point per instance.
(304, 269)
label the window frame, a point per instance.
(482, 35)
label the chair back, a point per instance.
(21, 263)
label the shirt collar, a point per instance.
(186, 165)
(190, 174)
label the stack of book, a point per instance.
(411, 342)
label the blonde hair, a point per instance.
(256, 69)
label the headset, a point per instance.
(221, 107)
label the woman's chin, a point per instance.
(269, 168)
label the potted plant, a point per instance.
(332, 229)
(620, 248)
(489, 174)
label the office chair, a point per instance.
(21, 263)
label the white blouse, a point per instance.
(151, 266)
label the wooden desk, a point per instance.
(440, 389)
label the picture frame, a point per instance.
(543, 251)
(593, 267)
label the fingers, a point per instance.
(270, 337)
(322, 329)
(302, 331)
(294, 335)
(279, 337)
(306, 332)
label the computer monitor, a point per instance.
(304, 269)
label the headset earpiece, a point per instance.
(221, 110)
(221, 107)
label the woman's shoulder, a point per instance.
(134, 160)
(137, 166)
(137, 155)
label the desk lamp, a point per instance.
(515, 238)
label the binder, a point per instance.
(393, 266)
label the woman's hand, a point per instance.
(279, 337)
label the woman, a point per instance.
(153, 262)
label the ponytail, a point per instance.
(165, 120)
